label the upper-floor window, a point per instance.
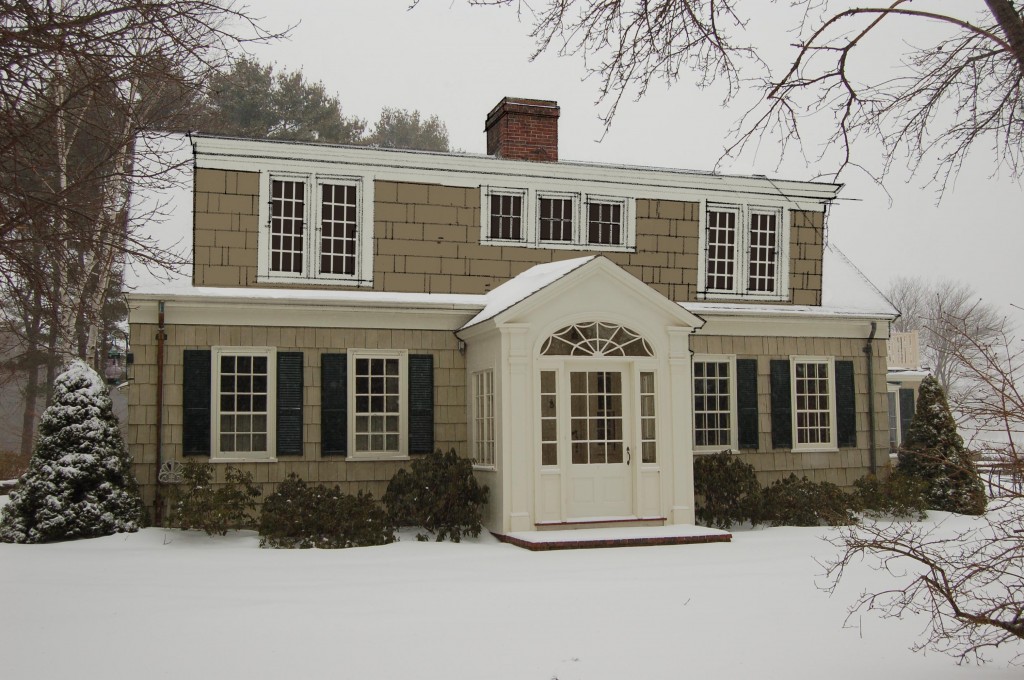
(556, 219)
(314, 230)
(744, 252)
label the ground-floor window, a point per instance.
(648, 431)
(378, 391)
(596, 417)
(713, 402)
(483, 418)
(243, 416)
(548, 418)
(813, 404)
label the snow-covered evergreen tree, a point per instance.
(79, 483)
(934, 452)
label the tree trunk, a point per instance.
(1013, 27)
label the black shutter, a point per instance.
(195, 389)
(907, 408)
(846, 405)
(334, 404)
(421, 403)
(782, 405)
(746, 402)
(289, 403)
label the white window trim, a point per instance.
(478, 416)
(817, 447)
(313, 206)
(892, 389)
(403, 402)
(733, 432)
(216, 353)
(531, 219)
(741, 265)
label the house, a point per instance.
(581, 331)
(903, 380)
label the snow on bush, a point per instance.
(79, 482)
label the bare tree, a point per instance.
(940, 99)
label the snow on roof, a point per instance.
(357, 297)
(520, 287)
(846, 292)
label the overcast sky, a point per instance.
(456, 61)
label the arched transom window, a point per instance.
(596, 339)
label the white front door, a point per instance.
(600, 456)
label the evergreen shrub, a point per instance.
(799, 502)
(200, 504)
(79, 482)
(298, 515)
(898, 496)
(726, 490)
(935, 454)
(439, 493)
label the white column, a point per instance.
(680, 412)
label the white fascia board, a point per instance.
(801, 322)
(468, 170)
(249, 311)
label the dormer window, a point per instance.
(744, 252)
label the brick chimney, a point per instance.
(523, 130)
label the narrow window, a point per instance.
(378, 405)
(548, 419)
(338, 225)
(813, 408)
(287, 214)
(721, 255)
(712, 403)
(243, 404)
(648, 436)
(556, 219)
(483, 391)
(604, 224)
(894, 422)
(763, 252)
(506, 217)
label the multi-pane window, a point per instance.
(548, 419)
(813, 408)
(377, 391)
(596, 417)
(338, 229)
(604, 223)
(743, 251)
(712, 403)
(894, 421)
(556, 218)
(761, 263)
(243, 417)
(506, 217)
(483, 418)
(287, 222)
(648, 434)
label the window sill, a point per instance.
(485, 468)
(367, 458)
(712, 450)
(561, 245)
(816, 449)
(220, 459)
(313, 281)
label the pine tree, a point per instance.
(935, 454)
(79, 482)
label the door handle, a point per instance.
(629, 456)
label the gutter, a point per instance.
(158, 505)
(872, 435)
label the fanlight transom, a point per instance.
(596, 339)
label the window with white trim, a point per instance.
(648, 425)
(604, 222)
(744, 252)
(557, 215)
(814, 405)
(505, 215)
(244, 382)
(894, 419)
(483, 418)
(314, 230)
(378, 397)
(714, 402)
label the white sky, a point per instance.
(456, 61)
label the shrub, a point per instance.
(803, 503)
(439, 493)
(726, 490)
(199, 504)
(934, 453)
(301, 516)
(898, 496)
(79, 483)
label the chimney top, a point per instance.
(523, 129)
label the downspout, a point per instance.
(872, 435)
(158, 505)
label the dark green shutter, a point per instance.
(421, 403)
(334, 404)
(782, 405)
(289, 403)
(907, 407)
(746, 402)
(195, 388)
(846, 405)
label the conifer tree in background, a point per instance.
(79, 483)
(935, 453)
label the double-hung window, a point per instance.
(314, 230)
(378, 395)
(744, 252)
(814, 403)
(714, 402)
(244, 382)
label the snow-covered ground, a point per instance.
(170, 604)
